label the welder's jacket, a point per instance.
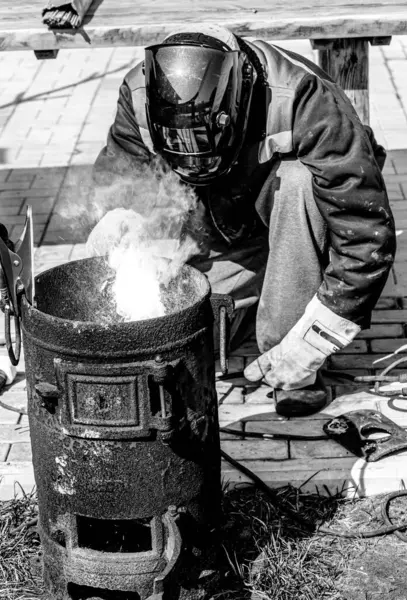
(303, 113)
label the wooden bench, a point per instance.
(340, 30)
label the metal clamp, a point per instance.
(16, 278)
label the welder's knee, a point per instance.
(295, 179)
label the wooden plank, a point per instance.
(141, 23)
(347, 62)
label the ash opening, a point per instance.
(85, 592)
(127, 536)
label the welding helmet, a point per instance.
(198, 94)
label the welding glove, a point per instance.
(294, 362)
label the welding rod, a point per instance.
(402, 378)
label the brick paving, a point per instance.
(54, 117)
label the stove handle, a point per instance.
(223, 307)
(163, 373)
(172, 551)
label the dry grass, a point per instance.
(272, 558)
(266, 555)
(19, 550)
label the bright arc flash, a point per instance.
(136, 288)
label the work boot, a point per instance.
(303, 402)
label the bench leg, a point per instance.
(346, 60)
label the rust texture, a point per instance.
(125, 441)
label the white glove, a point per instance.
(294, 362)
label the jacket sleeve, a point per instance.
(350, 193)
(125, 149)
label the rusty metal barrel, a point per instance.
(125, 442)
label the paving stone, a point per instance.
(9, 210)
(386, 303)
(29, 193)
(49, 179)
(394, 330)
(16, 477)
(230, 436)
(359, 361)
(7, 416)
(4, 174)
(19, 184)
(355, 347)
(309, 426)
(234, 395)
(389, 316)
(13, 433)
(12, 202)
(41, 206)
(384, 346)
(255, 449)
(317, 449)
(20, 452)
(259, 395)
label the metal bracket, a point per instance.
(223, 308)
(45, 54)
(354, 430)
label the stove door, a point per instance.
(115, 401)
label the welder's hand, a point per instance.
(293, 364)
(118, 227)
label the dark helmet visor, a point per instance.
(185, 141)
(188, 85)
(197, 101)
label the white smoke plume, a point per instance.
(147, 238)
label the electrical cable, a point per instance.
(273, 436)
(385, 511)
(273, 497)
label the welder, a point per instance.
(301, 232)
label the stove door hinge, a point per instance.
(172, 551)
